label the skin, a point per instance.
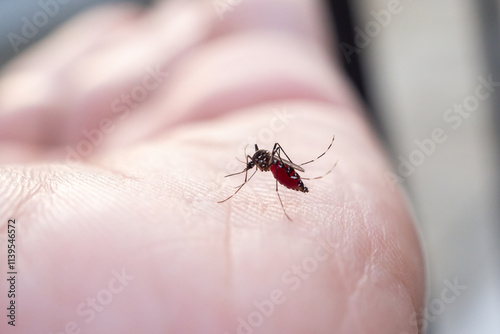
(144, 200)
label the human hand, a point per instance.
(131, 239)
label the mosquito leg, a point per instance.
(319, 177)
(248, 179)
(277, 149)
(322, 154)
(282, 206)
(243, 171)
(246, 175)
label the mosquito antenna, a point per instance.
(245, 155)
(256, 148)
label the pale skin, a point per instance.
(144, 200)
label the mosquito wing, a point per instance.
(291, 164)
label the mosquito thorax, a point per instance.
(262, 159)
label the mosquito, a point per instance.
(284, 170)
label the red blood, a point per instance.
(287, 176)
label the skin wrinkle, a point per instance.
(38, 201)
(396, 260)
(391, 261)
(13, 190)
(43, 194)
(229, 252)
(352, 311)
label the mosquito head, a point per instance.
(262, 159)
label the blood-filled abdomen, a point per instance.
(287, 176)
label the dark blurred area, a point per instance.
(343, 26)
(489, 11)
(420, 59)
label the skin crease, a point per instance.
(145, 200)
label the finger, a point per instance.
(94, 78)
(245, 65)
(31, 90)
(134, 65)
(187, 84)
(299, 19)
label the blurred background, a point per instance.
(418, 65)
